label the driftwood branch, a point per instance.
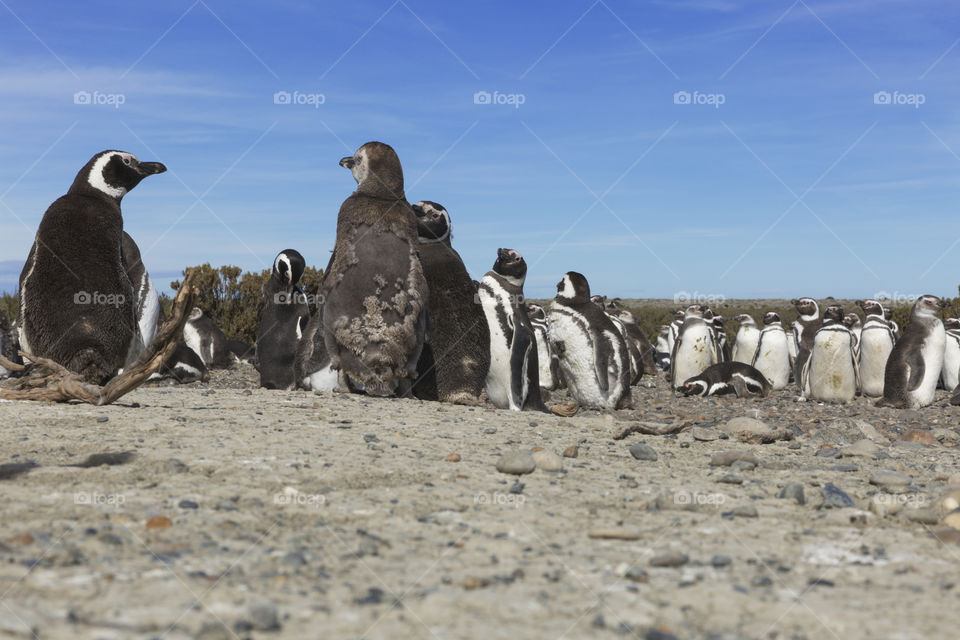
(652, 428)
(49, 381)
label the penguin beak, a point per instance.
(347, 163)
(150, 168)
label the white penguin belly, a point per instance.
(950, 372)
(544, 360)
(875, 348)
(773, 359)
(746, 345)
(694, 355)
(192, 339)
(151, 311)
(323, 380)
(499, 376)
(832, 377)
(575, 350)
(932, 353)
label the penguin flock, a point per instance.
(397, 314)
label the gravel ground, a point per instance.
(245, 513)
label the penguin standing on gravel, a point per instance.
(593, 353)
(745, 343)
(513, 380)
(283, 321)
(772, 355)
(693, 350)
(914, 366)
(455, 360)
(804, 328)
(876, 343)
(832, 371)
(950, 374)
(77, 303)
(375, 293)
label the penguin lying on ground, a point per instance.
(727, 377)
(77, 304)
(183, 365)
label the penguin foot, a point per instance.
(565, 410)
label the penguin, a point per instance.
(634, 333)
(888, 316)
(852, 322)
(950, 373)
(242, 352)
(693, 350)
(633, 352)
(77, 303)
(455, 360)
(282, 322)
(832, 371)
(183, 365)
(748, 335)
(804, 328)
(550, 377)
(513, 379)
(6, 344)
(727, 377)
(876, 343)
(675, 326)
(663, 348)
(593, 353)
(772, 355)
(914, 366)
(374, 290)
(147, 300)
(202, 334)
(720, 339)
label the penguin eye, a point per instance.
(126, 161)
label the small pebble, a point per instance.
(614, 534)
(669, 559)
(547, 461)
(264, 616)
(743, 465)
(158, 522)
(719, 561)
(793, 491)
(370, 437)
(744, 511)
(726, 458)
(453, 457)
(103, 419)
(188, 504)
(643, 451)
(571, 452)
(516, 463)
(887, 478)
(835, 498)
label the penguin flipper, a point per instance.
(855, 356)
(739, 386)
(916, 369)
(673, 359)
(519, 365)
(601, 364)
(805, 376)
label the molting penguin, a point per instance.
(727, 377)
(550, 376)
(455, 360)
(876, 343)
(513, 380)
(634, 333)
(748, 335)
(283, 321)
(772, 356)
(804, 329)
(910, 379)
(950, 373)
(202, 334)
(374, 290)
(77, 303)
(593, 353)
(832, 371)
(694, 349)
(663, 348)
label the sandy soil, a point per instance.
(255, 514)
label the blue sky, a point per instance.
(797, 183)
